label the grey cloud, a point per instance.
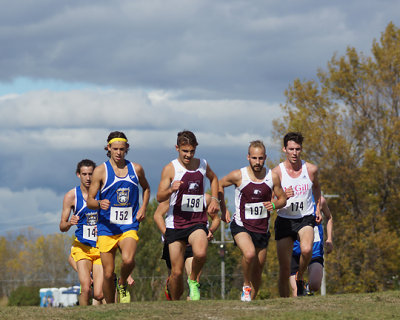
(235, 49)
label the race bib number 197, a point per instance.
(121, 215)
(255, 211)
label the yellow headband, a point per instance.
(117, 139)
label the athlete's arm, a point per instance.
(277, 170)
(215, 220)
(141, 214)
(280, 195)
(329, 225)
(232, 178)
(313, 174)
(213, 207)
(289, 191)
(165, 188)
(97, 181)
(159, 216)
(68, 204)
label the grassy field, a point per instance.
(383, 305)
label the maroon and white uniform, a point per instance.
(187, 206)
(249, 197)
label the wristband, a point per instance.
(219, 201)
(273, 205)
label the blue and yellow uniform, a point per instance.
(84, 246)
(119, 220)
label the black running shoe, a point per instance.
(301, 287)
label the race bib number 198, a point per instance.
(192, 203)
(121, 215)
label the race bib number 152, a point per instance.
(121, 215)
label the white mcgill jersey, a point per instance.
(301, 204)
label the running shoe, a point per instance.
(194, 289)
(308, 291)
(124, 295)
(246, 294)
(166, 291)
(301, 287)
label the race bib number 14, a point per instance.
(89, 233)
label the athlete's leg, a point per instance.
(284, 249)
(293, 285)
(315, 273)
(246, 246)
(258, 266)
(72, 263)
(97, 273)
(294, 267)
(128, 248)
(306, 239)
(108, 262)
(175, 283)
(84, 268)
(188, 265)
(198, 241)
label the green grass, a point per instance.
(383, 305)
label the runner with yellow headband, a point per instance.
(118, 181)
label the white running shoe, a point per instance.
(246, 294)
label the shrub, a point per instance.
(25, 296)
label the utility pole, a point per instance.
(222, 255)
(323, 284)
(222, 243)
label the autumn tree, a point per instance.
(350, 121)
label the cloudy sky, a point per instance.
(72, 71)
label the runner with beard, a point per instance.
(255, 185)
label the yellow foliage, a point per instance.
(350, 121)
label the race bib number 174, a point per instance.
(296, 206)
